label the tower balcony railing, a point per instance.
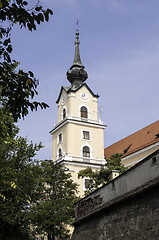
(80, 119)
(85, 119)
(71, 158)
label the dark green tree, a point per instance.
(55, 209)
(102, 176)
(19, 179)
(18, 87)
(20, 175)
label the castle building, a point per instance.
(78, 137)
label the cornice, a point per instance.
(79, 121)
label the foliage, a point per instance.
(102, 176)
(41, 192)
(18, 87)
(56, 206)
(114, 163)
(19, 179)
(20, 175)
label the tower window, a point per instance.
(86, 135)
(64, 113)
(86, 152)
(84, 112)
(60, 152)
(60, 138)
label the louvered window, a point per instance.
(84, 112)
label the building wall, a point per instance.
(136, 218)
(73, 102)
(72, 141)
(136, 157)
(71, 127)
(125, 208)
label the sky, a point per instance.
(119, 47)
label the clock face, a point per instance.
(84, 95)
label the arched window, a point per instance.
(86, 152)
(84, 112)
(64, 113)
(60, 152)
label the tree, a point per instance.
(19, 179)
(55, 209)
(102, 176)
(30, 190)
(18, 88)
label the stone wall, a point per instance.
(129, 212)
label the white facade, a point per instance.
(78, 137)
(74, 133)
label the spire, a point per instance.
(76, 75)
(77, 59)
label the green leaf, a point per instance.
(29, 26)
(46, 14)
(34, 26)
(25, 3)
(9, 48)
(31, 74)
(5, 43)
(50, 11)
(38, 9)
(40, 17)
(7, 57)
(45, 105)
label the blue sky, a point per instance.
(119, 46)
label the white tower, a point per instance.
(78, 137)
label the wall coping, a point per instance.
(135, 180)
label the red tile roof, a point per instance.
(136, 141)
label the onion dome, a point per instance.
(76, 75)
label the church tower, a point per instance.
(78, 137)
